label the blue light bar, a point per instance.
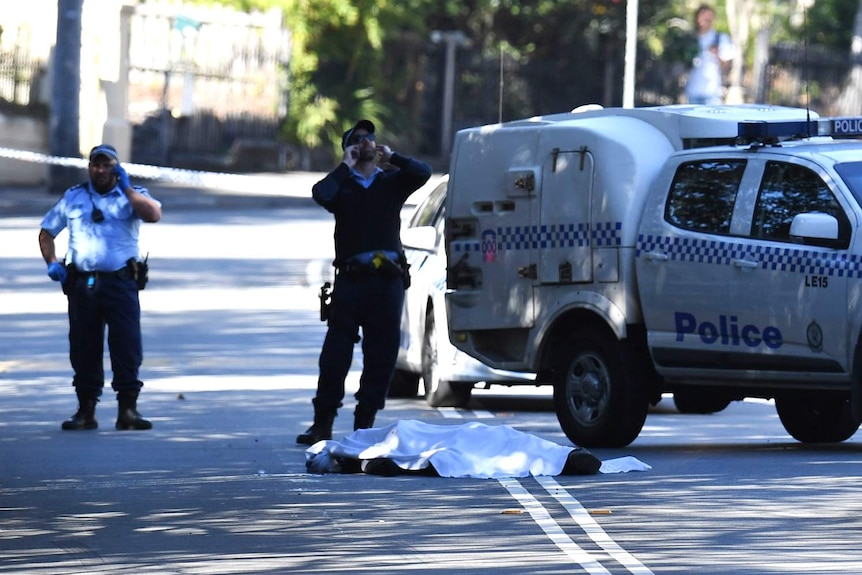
(849, 126)
(845, 127)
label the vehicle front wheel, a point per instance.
(598, 402)
(439, 392)
(816, 420)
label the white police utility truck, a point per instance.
(711, 252)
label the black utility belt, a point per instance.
(122, 273)
(390, 268)
(378, 266)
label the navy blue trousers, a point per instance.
(373, 302)
(110, 302)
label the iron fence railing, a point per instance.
(20, 74)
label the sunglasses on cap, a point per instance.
(359, 138)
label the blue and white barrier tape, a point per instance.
(267, 184)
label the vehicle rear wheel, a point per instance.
(404, 384)
(598, 402)
(816, 420)
(699, 401)
(439, 392)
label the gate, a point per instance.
(206, 88)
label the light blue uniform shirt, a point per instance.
(96, 246)
(363, 181)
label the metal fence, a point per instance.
(794, 76)
(239, 106)
(20, 76)
(823, 79)
(207, 93)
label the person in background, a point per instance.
(716, 51)
(101, 275)
(371, 274)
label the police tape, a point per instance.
(258, 183)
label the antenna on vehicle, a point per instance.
(805, 67)
(500, 118)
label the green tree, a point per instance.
(369, 58)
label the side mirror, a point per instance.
(815, 229)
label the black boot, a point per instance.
(85, 417)
(363, 417)
(127, 411)
(581, 462)
(321, 428)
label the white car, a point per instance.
(425, 352)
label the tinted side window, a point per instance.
(788, 190)
(702, 195)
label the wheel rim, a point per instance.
(587, 388)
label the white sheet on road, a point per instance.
(468, 450)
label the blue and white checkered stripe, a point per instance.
(794, 259)
(511, 238)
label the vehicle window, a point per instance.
(702, 195)
(788, 190)
(426, 213)
(851, 173)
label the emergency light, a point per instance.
(842, 127)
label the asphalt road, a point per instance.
(231, 337)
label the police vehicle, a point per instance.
(711, 252)
(425, 354)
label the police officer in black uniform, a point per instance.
(371, 274)
(101, 276)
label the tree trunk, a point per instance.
(739, 17)
(850, 100)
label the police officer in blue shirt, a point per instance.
(101, 275)
(371, 274)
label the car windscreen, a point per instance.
(851, 173)
(426, 213)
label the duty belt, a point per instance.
(390, 268)
(122, 273)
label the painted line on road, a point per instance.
(551, 528)
(458, 413)
(591, 527)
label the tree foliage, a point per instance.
(369, 58)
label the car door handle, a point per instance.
(656, 256)
(745, 264)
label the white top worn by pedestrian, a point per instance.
(716, 50)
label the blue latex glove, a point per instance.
(122, 177)
(57, 272)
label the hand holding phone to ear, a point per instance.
(351, 155)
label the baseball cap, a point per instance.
(363, 124)
(104, 150)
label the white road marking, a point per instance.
(591, 527)
(458, 413)
(551, 528)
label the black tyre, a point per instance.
(404, 384)
(699, 401)
(598, 403)
(439, 392)
(816, 420)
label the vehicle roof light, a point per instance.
(843, 127)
